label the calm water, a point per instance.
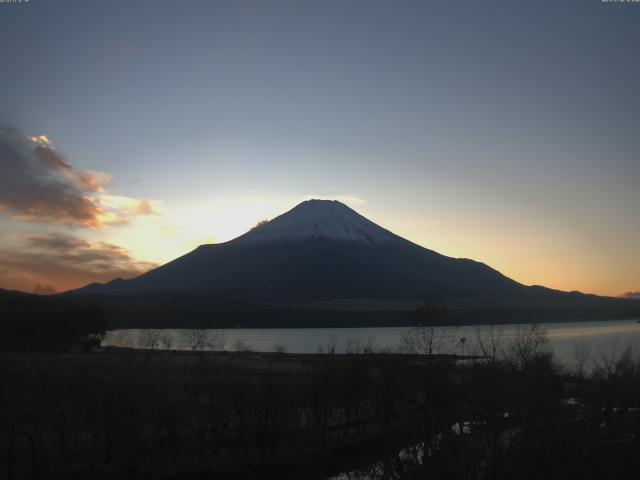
(595, 339)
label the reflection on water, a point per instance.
(572, 342)
(395, 466)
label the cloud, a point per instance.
(37, 184)
(65, 261)
(352, 200)
(631, 295)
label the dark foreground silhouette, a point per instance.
(70, 409)
(46, 323)
(167, 415)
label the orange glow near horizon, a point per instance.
(553, 260)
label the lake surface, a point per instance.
(570, 341)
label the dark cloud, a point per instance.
(631, 295)
(38, 184)
(66, 262)
(87, 181)
(56, 243)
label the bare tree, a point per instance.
(166, 341)
(151, 339)
(488, 341)
(427, 336)
(581, 355)
(526, 345)
(332, 343)
(353, 345)
(217, 340)
(196, 339)
(357, 345)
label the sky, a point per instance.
(507, 132)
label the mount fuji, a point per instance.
(318, 251)
(321, 264)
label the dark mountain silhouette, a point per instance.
(322, 264)
(319, 250)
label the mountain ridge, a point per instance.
(318, 250)
(323, 264)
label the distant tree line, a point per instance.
(34, 322)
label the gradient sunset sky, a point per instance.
(507, 132)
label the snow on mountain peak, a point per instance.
(315, 219)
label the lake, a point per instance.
(593, 340)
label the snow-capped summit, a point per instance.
(318, 253)
(319, 250)
(320, 219)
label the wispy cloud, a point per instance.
(352, 200)
(65, 261)
(37, 184)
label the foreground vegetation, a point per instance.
(510, 412)
(46, 323)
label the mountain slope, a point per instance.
(318, 250)
(320, 219)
